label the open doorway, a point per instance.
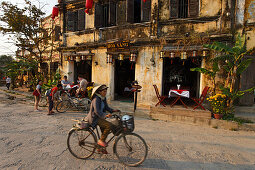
(177, 71)
(124, 76)
(82, 68)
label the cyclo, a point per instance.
(130, 148)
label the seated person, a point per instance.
(83, 85)
(65, 82)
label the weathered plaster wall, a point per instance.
(103, 73)
(73, 38)
(89, 20)
(147, 74)
(210, 8)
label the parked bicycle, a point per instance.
(68, 102)
(130, 148)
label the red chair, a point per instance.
(160, 98)
(201, 99)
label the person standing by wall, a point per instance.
(37, 94)
(8, 82)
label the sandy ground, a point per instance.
(33, 140)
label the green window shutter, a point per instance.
(81, 20)
(193, 8)
(146, 11)
(130, 11)
(174, 8)
(99, 15)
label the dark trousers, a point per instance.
(105, 127)
(50, 103)
(8, 85)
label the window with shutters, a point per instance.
(57, 32)
(138, 11)
(184, 8)
(105, 14)
(75, 20)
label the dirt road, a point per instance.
(33, 140)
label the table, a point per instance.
(179, 94)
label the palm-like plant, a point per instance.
(233, 62)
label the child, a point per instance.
(37, 94)
(51, 98)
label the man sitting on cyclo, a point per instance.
(97, 115)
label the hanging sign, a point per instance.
(118, 46)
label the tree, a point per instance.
(24, 26)
(4, 61)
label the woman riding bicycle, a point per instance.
(97, 113)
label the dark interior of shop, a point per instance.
(82, 68)
(177, 71)
(124, 76)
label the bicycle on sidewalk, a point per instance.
(130, 148)
(67, 102)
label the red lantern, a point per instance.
(55, 11)
(89, 4)
(144, 0)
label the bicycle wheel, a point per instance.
(63, 106)
(81, 143)
(130, 149)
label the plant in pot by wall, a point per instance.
(219, 105)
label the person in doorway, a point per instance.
(8, 82)
(65, 82)
(37, 94)
(83, 85)
(51, 98)
(97, 113)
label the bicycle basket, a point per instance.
(128, 123)
(82, 124)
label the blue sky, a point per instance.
(7, 46)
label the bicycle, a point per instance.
(77, 103)
(130, 148)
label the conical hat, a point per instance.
(96, 88)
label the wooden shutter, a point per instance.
(99, 15)
(57, 33)
(130, 11)
(193, 8)
(146, 11)
(121, 12)
(174, 8)
(81, 20)
(76, 21)
(112, 14)
(70, 21)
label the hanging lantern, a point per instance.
(194, 53)
(88, 57)
(55, 12)
(172, 55)
(89, 4)
(121, 57)
(66, 58)
(204, 53)
(71, 58)
(83, 57)
(78, 59)
(132, 57)
(162, 54)
(109, 58)
(184, 56)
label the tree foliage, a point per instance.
(23, 24)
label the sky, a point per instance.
(6, 46)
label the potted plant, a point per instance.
(219, 105)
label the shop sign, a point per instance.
(118, 46)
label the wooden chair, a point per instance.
(160, 98)
(201, 99)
